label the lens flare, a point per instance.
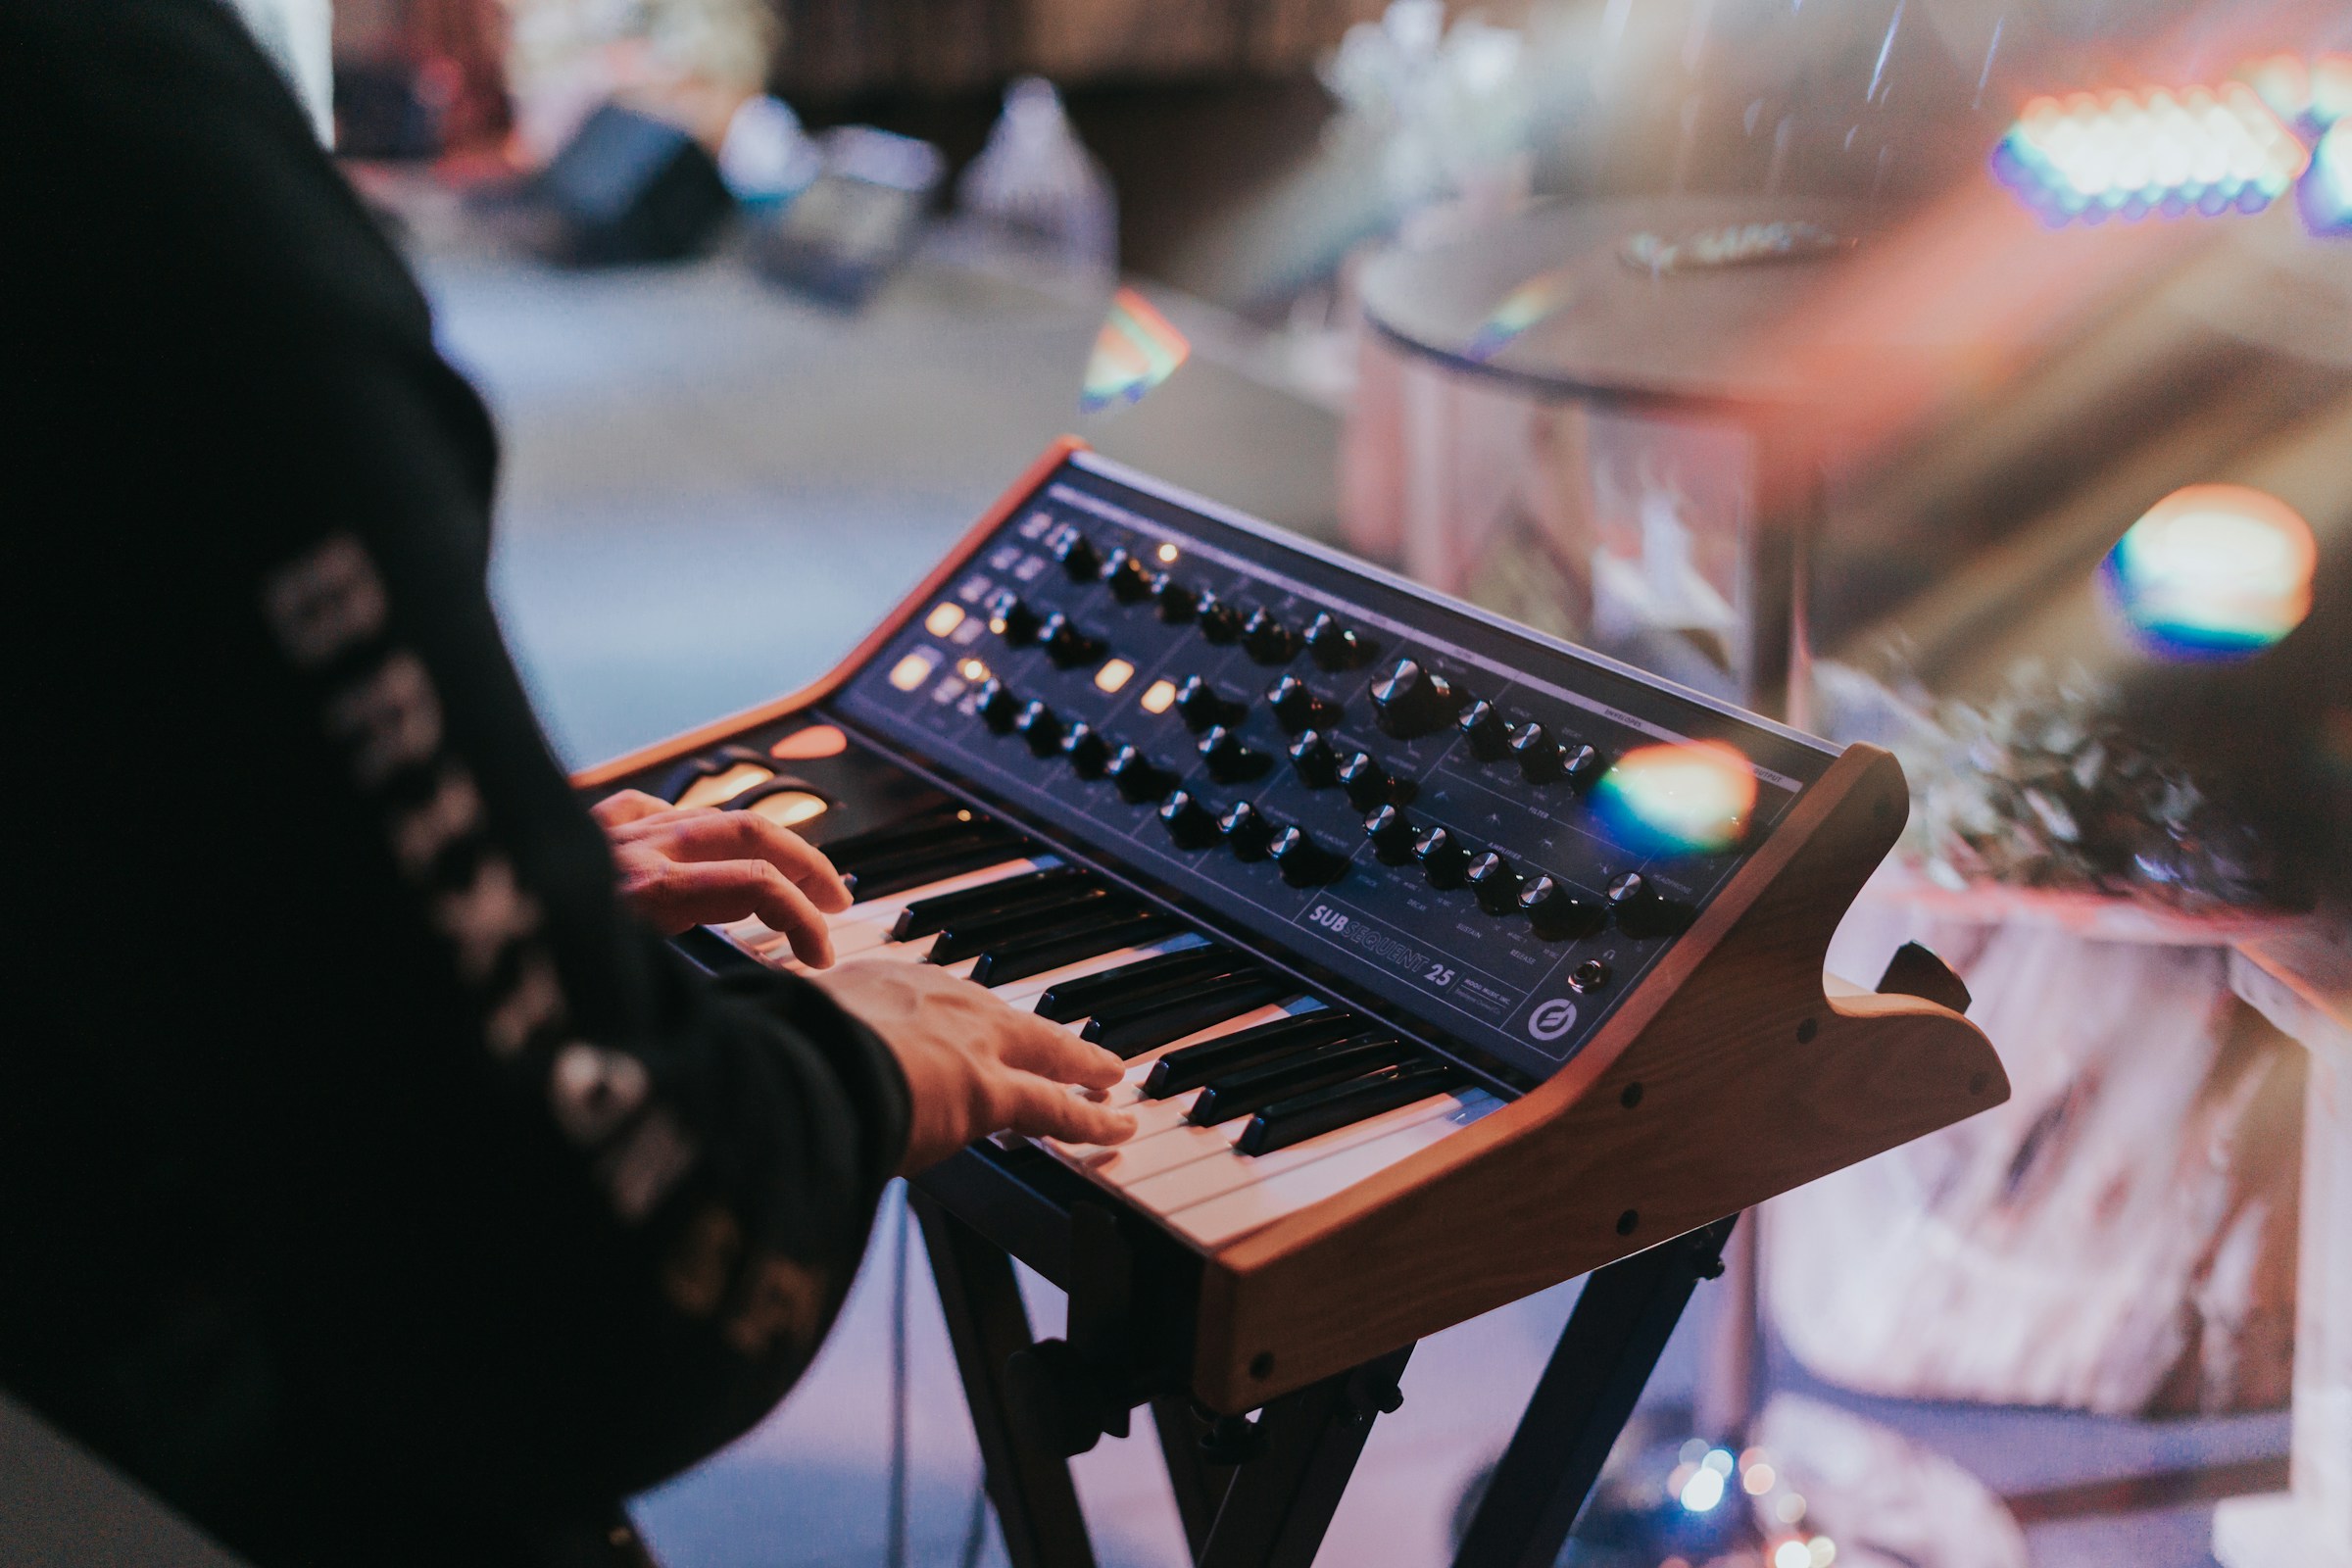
(1521, 309)
(2211, 573)
(1674, 800)
(2211, 150)
(1136, 350)
(2310, 93)
(2325, 194)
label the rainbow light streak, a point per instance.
(2211, 573)
(1681, 799)
(1531, 302)
(2211, 150)
(1136, 350)
(2325, 194)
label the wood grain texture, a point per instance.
(1753, 1078)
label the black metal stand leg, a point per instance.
(1605, 1354)
(1198, 1483)
(1281, 1501)
(1036, 1504)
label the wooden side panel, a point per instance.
(1751, 1079)
(718, 729)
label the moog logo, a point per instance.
(1551, 1019)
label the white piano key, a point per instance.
(1167, 1192)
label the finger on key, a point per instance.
(1043, 1109)
(627, 805)
(745, 835)
(715, 892)
(1051, 1051)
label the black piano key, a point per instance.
(1195, 1065)
(1309, 1115)
(925, 915)
(1142, 979)
(1148, 1025)
(1076, 907)
(881, 882)
(1238, 1094)
(906, 833)
(1018, 960)
(968, 836)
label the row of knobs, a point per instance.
(1556, 912)
(1411, 702)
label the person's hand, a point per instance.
(684, 867)
(975, 1066)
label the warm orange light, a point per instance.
(788, 808)
(719, 788)
(1114, 674)
(972, 669)
(944, 618)
(818, 739)
(1159, 697)
(912, 670)
(1167, 555)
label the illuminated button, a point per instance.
(1248, 833)
(1220, 622)
(1140, 780)
(716, 789)
(1040, 728)
(1011, 619)
(1557, 913)
(996, 707)
(1302, 861)
(1391, 834)
(1114, 674)
(1266, 639)
(1086, 750)
(1317, 764)
(1159, 697)
(1483, 731)
(1496, 881)
(1588, 976)
(788, 808)
(1539, 755)
(1177, 601)
(1193, 826)
(1203, 707)
(1367, 783)
(911, 673)
(818, 739)
(944, 618)
(1231, 759)
(1296, 706)
(1077, 556)
(1066, 644)
(1333, 646)
(1443, 857)
(1410, 701)
(1128, 578)
(1166, 553)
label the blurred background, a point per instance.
(1973, 376)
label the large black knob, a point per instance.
(1137, 777)
(1220, 622)
(1642, 911)
(1580, 766)
(1302, 861)
(1333, 646)
(1248, 833)
(1410, 701)
(1539, 755)
(1126, 576)
(1177, 601)
(1391, 834)
(1011, 619)
(1557, 914)
(1317, 764)
(1231, 759)
(1443, 857)
(1040, 728)
(996, 707)
(1367, 783)
(1483, 731)
(1078, 556)
(1496, 881)
(1193, 826)
(1203, 707)
(1086, 750)
(1266, 639)
(1066, 644)
(1296, 706)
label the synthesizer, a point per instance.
(1449, 961)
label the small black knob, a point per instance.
(1011, 619)
(1496, 881)
(1391, 834)
(1266, 639)
(1066, 644)
(1589, 975)
(1231, 759)
(1176, 601)
(1580, 766)
(1193, 826)
(1557, 913)
(1078, 556)
(1220, 622)
(1333, 646)
(1296, 706)
(1203, 707)
(1248, 833)
(1086, 750)
(1539, 755)
(1410, 701)
(996, 707)
(1317, 763)
(1443, 857)
(1366, 782)
(1137, 777)
(1126, 576)
(1642, 911)
(1040, 728)
(1304, 862)
(1483, 731)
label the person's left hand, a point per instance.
(683, 867)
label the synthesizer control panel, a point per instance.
(1482, 834)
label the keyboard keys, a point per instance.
(1136, 982)
(1184, 1183)
(874, 879)
(1130, 1031)
(1073, 910)
(1238, 1094)
(924, 916)
(1018, 960)
(1321, 1110)
(1191, 1066)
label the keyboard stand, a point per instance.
(1253, 1493)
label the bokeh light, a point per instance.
(2325, 194)
(2213, 572)
(1693, 798)
(2128, 154)
(2314, 93)
(1136, 350)
(1703, 1491)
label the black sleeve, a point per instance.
(362, 1161)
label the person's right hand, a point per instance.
(975, 1066)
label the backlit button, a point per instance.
(1296, 706)
(1302, 861)
(1317, 764)
(1193, 826)
(1368, 784)
(1220, 622)
(1230, 758)
(1066, 644)
(1267, 640)
(1139, 779)
(1539, 755)
(1495, 882)
(1335, 647)
(1177, 601)
(1077, 556)
(997, 706)
(1590, 977)
(1443, 857)
(1248, 833)
(1011, 619)
(1483, 731)
(1040, 728)
(1557, 913)
(1203, 707)
(1126, 576)
(1411, 701)
(1086, 751)
(1391, 834)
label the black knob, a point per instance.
(1040, 728)
(1483, 731)
(1220, 622)
(1642, 911)
(1086, 751)
(1589, 975)
(1496, 881)
(1391, 834)
(1540, 760)
(1410, 701)
(1557, 913)
(1304, 862)
(1193, 826)
(1011, 619)
(996, 707)
(1367, 783)
(1077, 556)
(1248, 833)
(1296, 706)
(1581, 766)
(1066, 644)
(1176, 601)
(1201, 706)
(1126, 576)
(1231, 759)
(1266, 639)
(1317, 763)
(1333, 646)
(1137, 777)
(1443, 857)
